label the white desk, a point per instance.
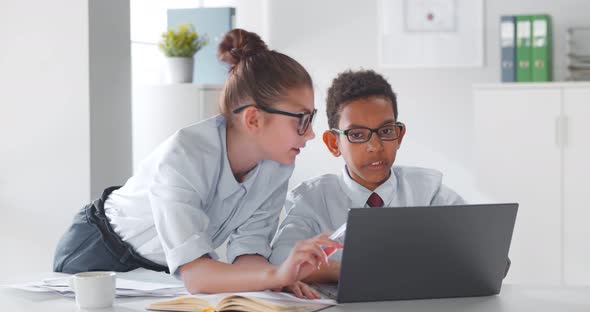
(512, 298)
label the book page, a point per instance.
(185, 304)
(282, 296)
(239, 303)
(244, 301)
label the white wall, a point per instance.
(110, 94)
(46, 99)
(45, 152)
(330, 36)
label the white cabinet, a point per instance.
(531, 147)
(161, 110)
(576, 185)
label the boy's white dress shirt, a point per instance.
(321, 204)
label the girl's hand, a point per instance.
(302, 290)
(305, 258)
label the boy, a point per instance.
(364, 129)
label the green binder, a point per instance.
(541, 51)
(523, 48)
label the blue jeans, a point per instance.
(90, 244)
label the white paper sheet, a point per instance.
(125, 288)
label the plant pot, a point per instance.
(179, 69)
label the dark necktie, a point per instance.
(375, 201)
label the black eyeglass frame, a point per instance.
(396, 124)
(301, 128)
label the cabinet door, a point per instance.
(576, 155)
(517, 159)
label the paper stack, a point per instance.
(578, 56)
(125, 288)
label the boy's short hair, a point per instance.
(353, 85)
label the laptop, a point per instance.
(423, 252)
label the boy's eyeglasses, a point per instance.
(305, 119)
(388, 132)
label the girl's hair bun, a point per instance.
(239, 44)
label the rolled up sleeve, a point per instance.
(179, 218)
(254, 235)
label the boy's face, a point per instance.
(368, 163)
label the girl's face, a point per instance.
(281, 141)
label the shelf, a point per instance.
(532, 85)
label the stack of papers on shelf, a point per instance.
(125, 288)
(578, 56)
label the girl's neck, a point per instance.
(242, 154)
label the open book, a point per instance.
(248, 301)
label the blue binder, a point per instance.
(214, 22)
(508, 48)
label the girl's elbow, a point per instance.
(194, 277)
(197, 287)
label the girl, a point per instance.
(225, 177)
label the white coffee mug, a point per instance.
(94, 289)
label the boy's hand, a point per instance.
(305, 258)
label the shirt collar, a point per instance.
(359, 194)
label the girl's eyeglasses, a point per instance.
(305, 119)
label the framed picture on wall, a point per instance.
(429, 15)
(431, 33)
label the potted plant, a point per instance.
(180, 47)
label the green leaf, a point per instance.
(184, 42)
